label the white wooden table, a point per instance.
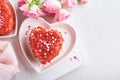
(99, 23)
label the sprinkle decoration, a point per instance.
(45, 43)
(27, 31)
(1, 17)
(74, 58)
(1, 20)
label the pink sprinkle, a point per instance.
(26, 33)
(29, 27)
(70, 59)
(1, 20)
(65, 32)
(75, 57)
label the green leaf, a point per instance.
(38, 2)
(32, 3)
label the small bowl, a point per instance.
(14, 32)
(67, 31)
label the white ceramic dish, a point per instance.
(14, 32)
(66, 30)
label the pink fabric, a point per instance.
(8, 61)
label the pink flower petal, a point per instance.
(61, 15)
(33, 11)
(24, 7)
(50, 6)
(21, 2)
(69, 3)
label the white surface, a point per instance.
(99, 23)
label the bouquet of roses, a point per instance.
(56, 9)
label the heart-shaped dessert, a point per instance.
(7, 18)
(42, 42)
(45, 43)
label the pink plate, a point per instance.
(67, 32)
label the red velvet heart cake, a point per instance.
(45, 43)
(7, 18)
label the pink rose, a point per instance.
(21, 2)
(33, 11)
(50, 7)
(83, 1)
(61, 15)
(69, 3)
(24, 7)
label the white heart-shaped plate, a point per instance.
(66, 30)
(14, 32)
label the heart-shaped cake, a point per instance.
(45, 43)
(7, 18)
